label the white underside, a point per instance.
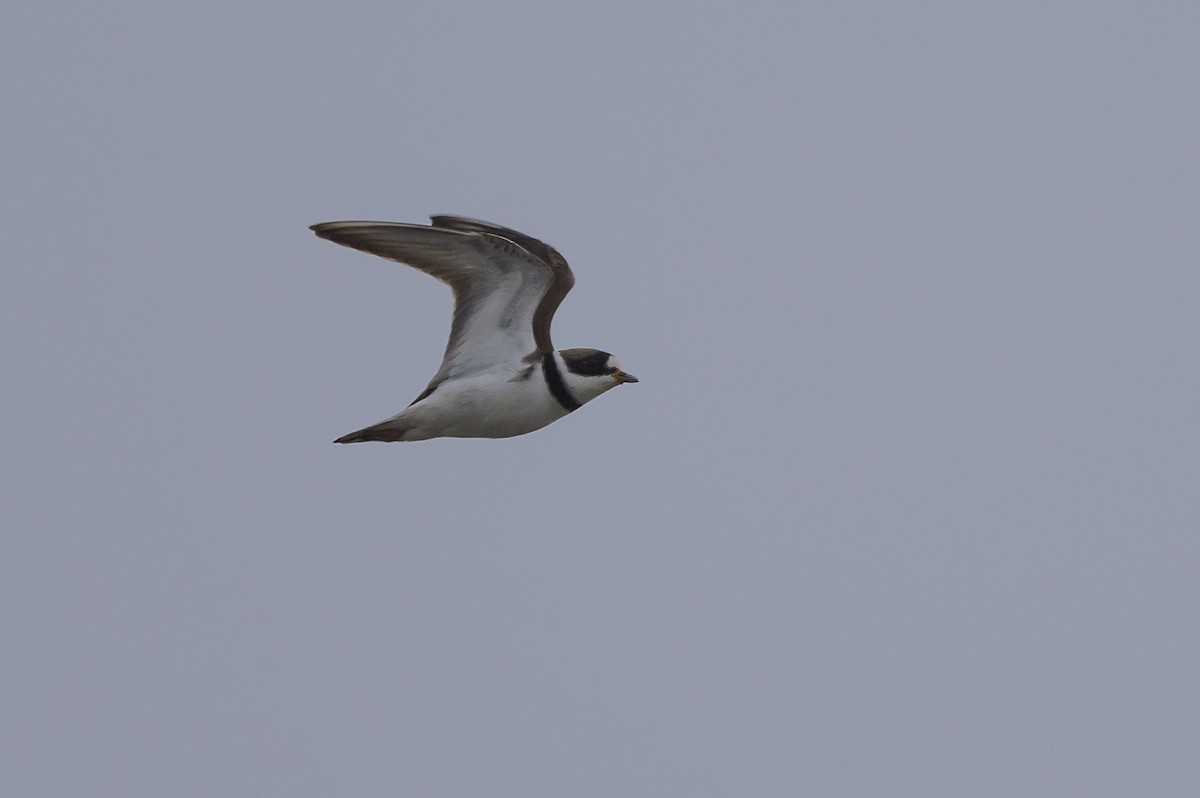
(497, 403)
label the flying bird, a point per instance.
(500, 376)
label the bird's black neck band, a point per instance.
(554, 381)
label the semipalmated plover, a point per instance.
(500, 375)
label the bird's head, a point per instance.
(590, 372)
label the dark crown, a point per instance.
(586, 362)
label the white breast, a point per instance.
(488, 405)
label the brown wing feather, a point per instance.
(474, 263)
(564, 278)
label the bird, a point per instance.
(500, 375)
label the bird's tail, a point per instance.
(386, 431)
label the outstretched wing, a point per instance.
(564, 279)
(499, 285)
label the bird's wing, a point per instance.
(564, 279)
(499, 286)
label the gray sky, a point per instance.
(904, 504)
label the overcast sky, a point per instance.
(905, 503)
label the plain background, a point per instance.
(904, 504)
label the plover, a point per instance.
(500, 376)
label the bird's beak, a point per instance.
(621, 376)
